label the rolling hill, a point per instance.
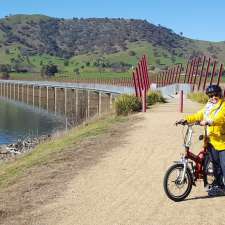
(31, 41)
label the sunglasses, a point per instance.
(210, 95)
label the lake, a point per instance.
(18, 120)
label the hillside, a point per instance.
(34, 40)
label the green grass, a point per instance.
(79, 62)
(156, 56)
(198, 97)
(10, 171)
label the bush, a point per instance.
(5, 75)
(154, 97)
(126, 104)
(49, 70)
(199, 97)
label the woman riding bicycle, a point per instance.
(213, 115)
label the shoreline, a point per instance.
(11, 151)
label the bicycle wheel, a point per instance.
(174, 189)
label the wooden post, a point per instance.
(55, 99)
(18, 98)
(39, 97)
(47, 98)
(99, 103)
(76, 104)
(33, 94)
(88, 103)
(27, 94)
(65, 101)
(10, 91)
(14, 91)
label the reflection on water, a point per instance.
(19, 120)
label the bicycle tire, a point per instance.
(188, 180)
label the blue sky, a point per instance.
(197, 19)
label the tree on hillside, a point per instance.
(5, 75)
(66, 62)
(49, 70)
(77, 71)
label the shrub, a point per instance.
(126, 104)
(5, 75)
(49, 70)
(198, 97)
(154, 97)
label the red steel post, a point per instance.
(213, 72)
(186, 72)
(206, 74)
(173, 75)
(196, 73)
(161, 83)
(138, 82)
(190, 71)
(167, 76)
(176, 73)
(179, 73)
(171, 72)
(163, 78)
(220, 74)
(200, 79)
(193, 70)
(181, 101)
(140, 76)
(170, 75)
(146, 68)
(144, 73)
(143, 100)
(135, 84)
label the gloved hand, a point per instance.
(181, 122)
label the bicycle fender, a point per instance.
(188, 169)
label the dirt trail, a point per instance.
(125, 186)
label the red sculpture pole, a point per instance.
(190, 71)
(186, 72)
(220, 74)
(181, 101)
(138, 82)
(213, 72)
(206, 73)
(196, 73)
(179, 75)
(200, 79)
(135, 84)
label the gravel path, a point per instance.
(125, 187)
(115, 179)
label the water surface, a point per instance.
(18, 120)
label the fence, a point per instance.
(199, 72)
(141, 80)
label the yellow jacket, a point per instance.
(215, 115)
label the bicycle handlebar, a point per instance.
(185, 123)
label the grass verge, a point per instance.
(12, 170)
(198, 97)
